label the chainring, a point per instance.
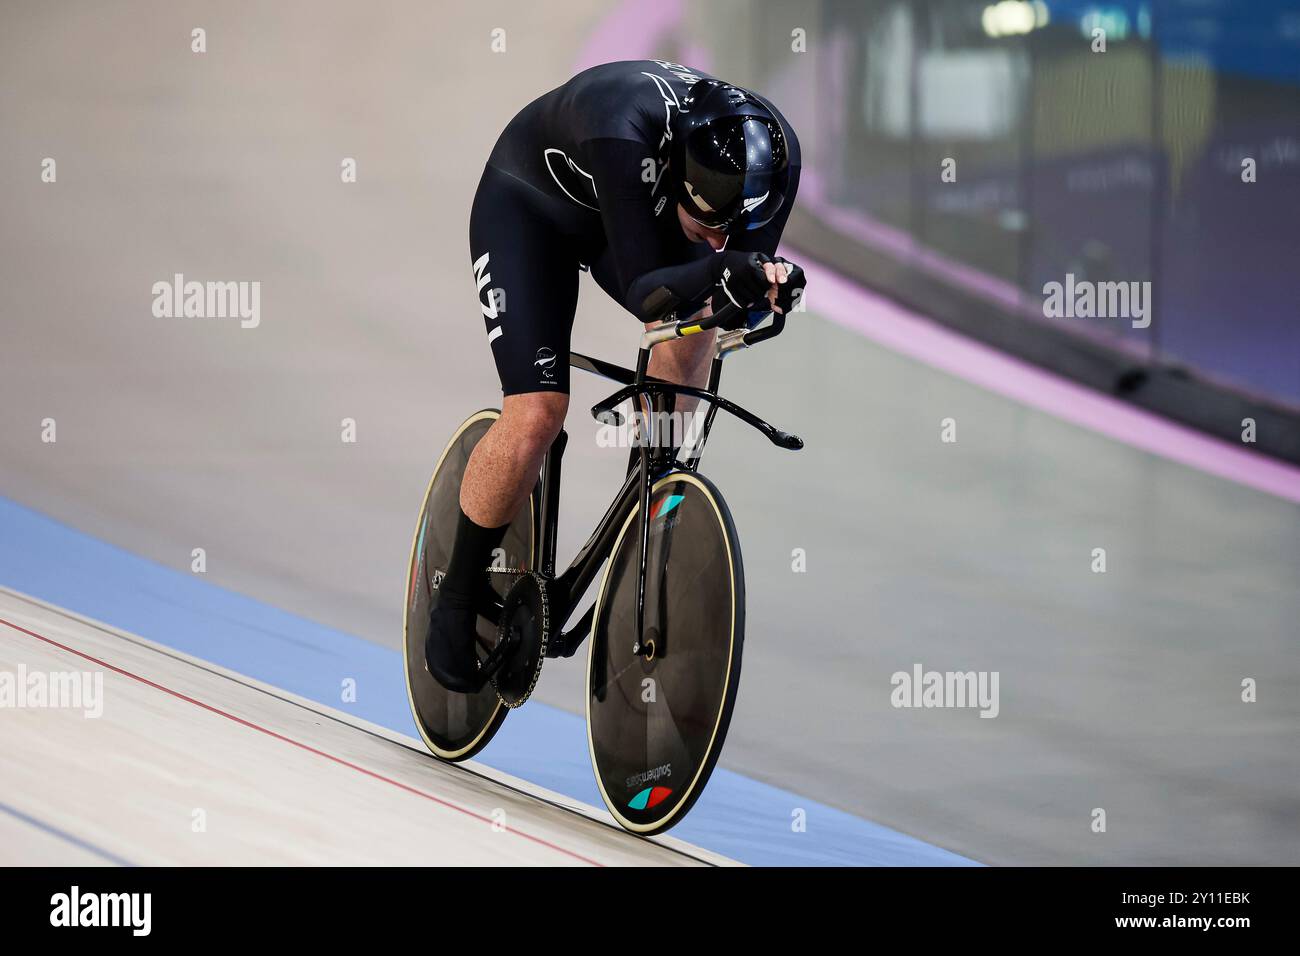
(526, 625)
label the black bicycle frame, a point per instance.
(657, 458)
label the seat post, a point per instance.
(551, 502)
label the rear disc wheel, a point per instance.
(455, 726)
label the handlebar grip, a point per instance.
(754, 336)
(717, 318)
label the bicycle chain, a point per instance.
(541, 652)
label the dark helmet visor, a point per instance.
(736, 172)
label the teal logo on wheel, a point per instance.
(668, 503)
(649, 797)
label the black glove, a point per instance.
(787, 290)
(741, 278)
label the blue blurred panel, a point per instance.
(1259, 38)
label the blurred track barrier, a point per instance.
(967, 158)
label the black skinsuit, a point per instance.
(579, 179)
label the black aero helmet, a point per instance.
(731, 158)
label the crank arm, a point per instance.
(487, 666)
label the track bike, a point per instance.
(667, 626)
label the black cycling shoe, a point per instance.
(449, 651)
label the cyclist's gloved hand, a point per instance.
(787, 292)
(741, 279)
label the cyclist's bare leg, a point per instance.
(499, 475)
(684, 361)
(504, 465)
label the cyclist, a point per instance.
(654, 177)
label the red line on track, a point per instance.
(297, 743)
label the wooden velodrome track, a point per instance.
(189, 764)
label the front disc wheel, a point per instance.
(659, 703)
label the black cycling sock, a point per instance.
(469, 556)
